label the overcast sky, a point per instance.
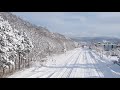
(83, 24)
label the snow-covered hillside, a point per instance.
(41, 37)
(13, 43)
(22, 42)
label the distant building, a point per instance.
(109, 46)
(118, 45)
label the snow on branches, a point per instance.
(11, 42)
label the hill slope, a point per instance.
(42, 39)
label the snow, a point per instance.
(11, 42)
(77, 63)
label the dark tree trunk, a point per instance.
(15, 64)
(28, 60)
(19, 60)
(25, 62)
(9, 68)
(12, 68)
(3, 71)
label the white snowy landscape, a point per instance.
(77, 63)
(28, 50)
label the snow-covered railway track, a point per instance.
(65, 73)
(58, 69)
(78, 63)
(70, 72)
(94, 62)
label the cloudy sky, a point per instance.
(81, 24)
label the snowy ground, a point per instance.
(77, 63)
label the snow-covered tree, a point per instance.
(12, 43)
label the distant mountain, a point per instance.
(96, 39)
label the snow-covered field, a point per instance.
(77, 63)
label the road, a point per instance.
(77, 63)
